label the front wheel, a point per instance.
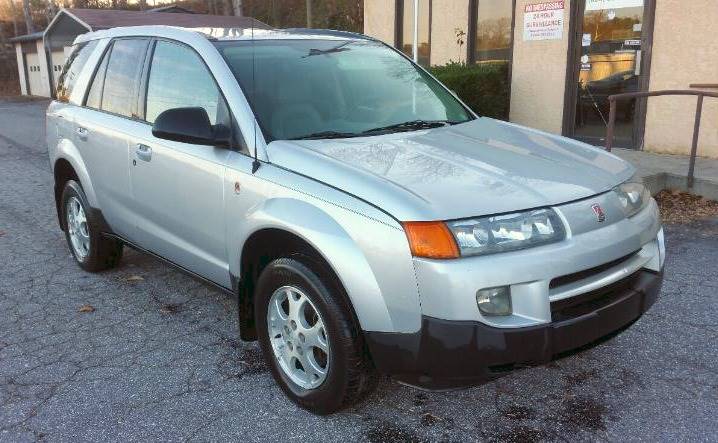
(309, 338)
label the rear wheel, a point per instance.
(309, 337)
(91, 250)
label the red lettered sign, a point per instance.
(543, 21)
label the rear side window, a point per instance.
(179, 79)
(122, 76)
(72, 69)
(94, 96)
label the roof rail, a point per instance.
(328, 32)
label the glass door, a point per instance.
(609, 62)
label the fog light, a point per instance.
(494, 301)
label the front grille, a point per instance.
(573, 307)
(587, 273)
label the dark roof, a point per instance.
(27, 38)
(110, 18)
(171, 8)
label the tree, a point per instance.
(3, 43)
(460, 40)
(28, 16)
(237, 4)
(14, 17)
(51, 10)
(309, 13)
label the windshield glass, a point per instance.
(337, 88)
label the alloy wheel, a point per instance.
(77, 228)
(298, 337)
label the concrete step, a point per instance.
(657, 182)
(661, 171)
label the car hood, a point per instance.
(481, 167)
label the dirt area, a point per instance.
(680, 207)
(9, 88)
(22, 99)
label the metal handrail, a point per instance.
(696, 128)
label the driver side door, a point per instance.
(177, 187)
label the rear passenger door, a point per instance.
(62, 118)
(105, 125)
(178, 187)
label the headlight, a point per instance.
(634, 196)
(501, 233)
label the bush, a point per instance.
(484, 87)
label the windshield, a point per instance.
(337, 88)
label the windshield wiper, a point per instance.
(406, 126)
(411, 125)
(327, 134)
(339, 48)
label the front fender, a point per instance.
(371, 258)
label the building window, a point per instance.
(493, 35)
(405, 26)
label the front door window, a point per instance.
(609, 63)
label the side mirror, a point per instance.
(189, 125)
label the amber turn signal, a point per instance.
(431, 240)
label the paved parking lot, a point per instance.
(159, 357)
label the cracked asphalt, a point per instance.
(159, 356)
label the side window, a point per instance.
(178, 79)
(94, 96)
(72, 69)
(122, 76)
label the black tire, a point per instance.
(104, 253)
(351, 376)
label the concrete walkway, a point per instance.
(663, 171)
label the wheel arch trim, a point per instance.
(346, 258)
(67, 151)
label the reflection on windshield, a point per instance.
(335, 88)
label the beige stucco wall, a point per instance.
(539, 76)
(380, 19)
(446, 17)
(685, 51)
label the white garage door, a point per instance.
(58, 60)
(34, 76)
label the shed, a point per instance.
(40, 56)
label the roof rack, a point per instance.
(328, 32)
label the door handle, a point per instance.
(82, 133)
(143, 152)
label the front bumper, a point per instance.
(447, 354)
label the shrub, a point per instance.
(484, 87)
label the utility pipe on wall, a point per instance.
(415, 52)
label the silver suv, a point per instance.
(366, 219)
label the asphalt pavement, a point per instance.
(144, 352)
